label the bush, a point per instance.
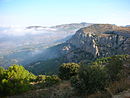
(67, 70)
(115, 69)
(11, 87)
(2, 71)
(90, 79)
(51, 80)
(41, 78)
(19, 72)
(100, 74)
(14, 80)
(114, 66)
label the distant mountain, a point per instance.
(127, 26)
(87, 44)
(73, 27)
(66, 28)
(25, 45)
(101, 40)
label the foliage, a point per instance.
(41, 78)
(67, 70)
(100, 74)
(48, 67)
(115, 69)
(19, 72)
(90, 79)
(104, 73)
(51, 80)
(2, 71)
(113, 65)
(11, 87)
(106, 60)
(14, 80)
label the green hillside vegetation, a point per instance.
(67, 70)
(45, 67)
(102, 78)
(16, 79)
(99, 75)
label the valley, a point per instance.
(86, 45)
(64, 48)
(93, 61)
(24, 45)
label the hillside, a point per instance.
(87, 44)
(64, 90)
(91, 77)
(28, 43)
(102, 40)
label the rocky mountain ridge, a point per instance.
(30, 43)
(86, 45)
(98, 40)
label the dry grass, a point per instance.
(119, 86)
(118, 89)
(62, 90)
(100, 95)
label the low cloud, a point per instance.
(20, 31)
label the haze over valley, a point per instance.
(24, 45)
(64, 48)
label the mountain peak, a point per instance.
(101, 28)
(98, 28)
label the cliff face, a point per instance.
(87, 44)
(98, 40)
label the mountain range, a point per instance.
(87, 44)
(23, 45)
(42, 49)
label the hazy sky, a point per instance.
(52, 12)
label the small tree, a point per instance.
(67, 70)
(90, 79)
(114, 66)
(2, 71)
(19, 72)
(51, 80)
(115, 69)
(41, 78)
(14, 80)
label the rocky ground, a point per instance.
(125, 94)
(62, 90)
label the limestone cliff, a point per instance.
(87, 44)
(98, 40)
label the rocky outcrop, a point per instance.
(87, 44)
(98, 40)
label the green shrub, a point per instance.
(2, 72)
(51, 80)
(115, 69)
(14, 80)
(90, 79)
(41, 78)
(11, 87)
(67, 70)
(19, 72)
(114, 66)
(100, 74)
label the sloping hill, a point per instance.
(87, 44)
